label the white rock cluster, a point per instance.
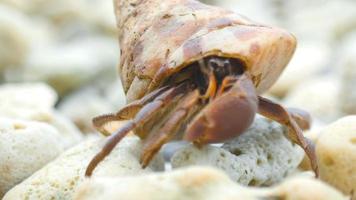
(200, 183)
(60, 178)
(32, 133)
(263, 155)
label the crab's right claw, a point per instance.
(227, 116)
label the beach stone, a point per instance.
(320, 97)
(25, 147)
(196, 183)
(263, 155)
(69, 66)
(33, 101)
(308, 20)
(309, 60)
(15, 43)
(347, 66)
(60, 178)
(305, 188)
(336, 153)
(98, 101)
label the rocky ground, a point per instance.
(58, 70)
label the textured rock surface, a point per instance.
(32, 101)
(203, 183)
(25, 146)
(35, 101)
(60, 178)
(336, 151)
(320, 97)
(261, 156)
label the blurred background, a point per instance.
(72, 46)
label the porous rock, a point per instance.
(263, 155)
(25, 146)
(60, 178)
(200, 183)
(336, 153)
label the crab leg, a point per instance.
(279, 114)
(126, 113)
(141, 117)
(154, 142)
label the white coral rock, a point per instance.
(320, 97)
(35, 101)
(60, 178)
(25, 147)
(200, 183)
(336, 153)
(67, 67)
(261, 156)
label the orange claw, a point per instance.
(227, 116)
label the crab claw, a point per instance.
(227, 116)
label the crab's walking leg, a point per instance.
(142, 116)
(154, 142)
(302, 117)
(279, 114)
(126, 113)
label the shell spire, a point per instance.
(160, 37)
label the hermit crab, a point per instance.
(196, 72)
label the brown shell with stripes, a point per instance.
(158, 38)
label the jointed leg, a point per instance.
(154, 142)
(142, 116)
(126, 113)
(277, 113)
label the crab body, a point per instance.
(196, 72)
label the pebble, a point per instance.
(25, 147)
(336, 153)
(320, 97)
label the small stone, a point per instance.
(320, 97)
(261, 156)
(25, 147)
(305, 188)
(336, 153)
(60, 178)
